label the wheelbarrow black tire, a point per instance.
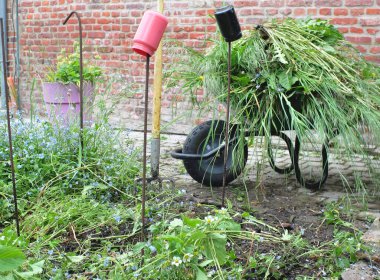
(289, 145)
(313, 185)
(210, 171)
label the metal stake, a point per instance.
(9, 131)
(145, 144)
(226, 132)
(80, 74)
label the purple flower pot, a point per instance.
(63, 101)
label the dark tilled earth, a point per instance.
(281, 202)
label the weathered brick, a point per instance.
(257, 12)
(359, 40)
(357, 12)
(286, 11)
(370, 22)
(27, 3)
(299, 3)
(312, 11)
(299, 12)
(340, 12)
(245, 12)
(375, 59)
(245, 3)
(356, 30)
(271, 12)
(372, 31)
(374, 11)
(375, 50)
(96, 34)
(328, 3)
(325, 11)
(361, 49)
(44, 9)
(344, 21)
(271, 3)
(353, 3)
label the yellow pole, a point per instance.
(157, 85)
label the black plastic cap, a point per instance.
(228, 23)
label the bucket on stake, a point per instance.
(229, 27)
(145, 42)
(16, 217)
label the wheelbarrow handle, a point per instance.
(178, 154)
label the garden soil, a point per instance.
(281, 202)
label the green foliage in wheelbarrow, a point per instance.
(290, 74)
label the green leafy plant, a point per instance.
(194, 248)
(68, 68)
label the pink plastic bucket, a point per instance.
(149, 33)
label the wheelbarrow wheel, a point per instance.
(205, 137)
(311, 184)
(285, 170)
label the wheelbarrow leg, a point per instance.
(289, 145)
(313, 185)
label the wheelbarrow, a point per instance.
(203, 152)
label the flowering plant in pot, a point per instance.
(61, 86)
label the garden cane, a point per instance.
(230, 29)
(155, 143)
(145, 42)
(80, 75)
(156, 116)
(9, 131)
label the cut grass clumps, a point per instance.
(290, 75)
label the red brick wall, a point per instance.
(11, 34)
(109, 26)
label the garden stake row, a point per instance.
(80, 75)
(230, 29)
(9, 131)
(145, 42)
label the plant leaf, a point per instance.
(175, 223)
(36, 269)
(10, 258)
(191, 222)
(201, 275)
(215, 248)
(205, 263)
(75, 259)
(285, 80)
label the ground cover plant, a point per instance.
(82, 235)
(80, 219)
